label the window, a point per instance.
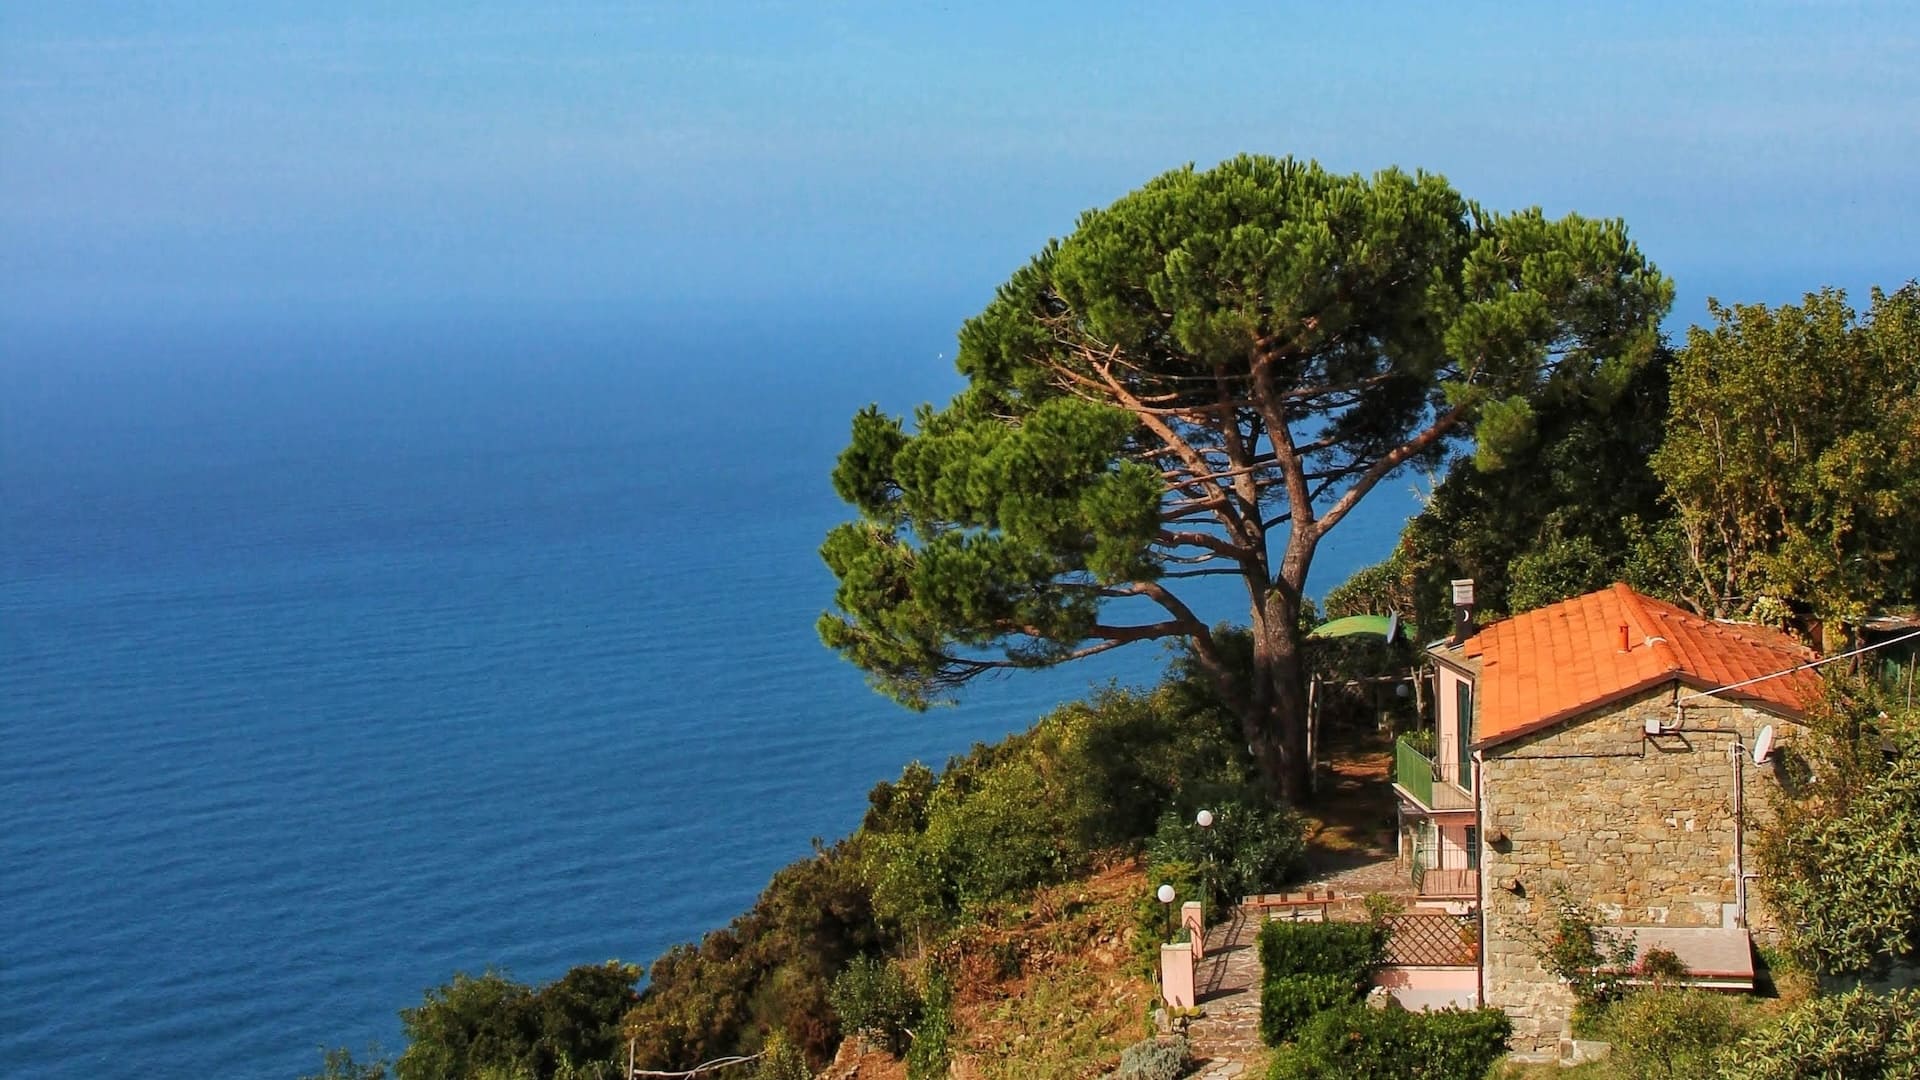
(1473, 847)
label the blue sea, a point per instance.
(339, 654)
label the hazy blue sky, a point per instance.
(213, 156)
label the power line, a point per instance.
(1809, 665)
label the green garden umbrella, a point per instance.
(1387, 626)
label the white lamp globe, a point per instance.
(1204, 818)
(1165, 894)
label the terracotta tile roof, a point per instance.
(1558, 661)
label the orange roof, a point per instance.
(1559, 661)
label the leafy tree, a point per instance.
(1204, 379)
(468, 1025)
(1842, 855)
(1589, 513)
(1858, 1035)
(1793, 454)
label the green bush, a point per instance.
(1668, 1034)
(1154, 1059)
(781, 1059)
(1593, 960)
(340, 1064)
(1843, 865)
(1250, 848)
(1852, 1036)
(873, 1000)
(1291, 1000)
(1010, 833)
(932, 1052)
(1359, 1043)
(1150, 916)
(491, 1024)
(1351, 950)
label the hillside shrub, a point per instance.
(1668, 1034)
(780, 1059)
(1252, 847)
(1351, 950)
(931, 1054)
(874, 1000)
(340, 1064)
(1858, 1035)
(1359, 1043)
(1010, 833)
(491, 1024)
(1290, 1001)
(768, 970)
(1151, 917)
(1154, 1059)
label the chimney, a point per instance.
(1462, 610)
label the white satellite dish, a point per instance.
(1763, 745)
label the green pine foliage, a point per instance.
(1589, 513)
(1218, 352)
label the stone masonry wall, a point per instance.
(1641, 829)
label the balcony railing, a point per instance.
(1436, 787)
(1450, 884)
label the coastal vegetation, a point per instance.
(1842, 860)
(858, 937)
(1769, 469)
(1203, 380)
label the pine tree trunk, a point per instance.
(1275, 722)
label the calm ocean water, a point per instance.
(339, 659)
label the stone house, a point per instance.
(1613, 748)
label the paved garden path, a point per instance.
(1227, 1039)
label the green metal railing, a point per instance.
(1413, 771)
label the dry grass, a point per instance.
(1047, 991)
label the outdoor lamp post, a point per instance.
(1204, 819)
(1165, 895)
